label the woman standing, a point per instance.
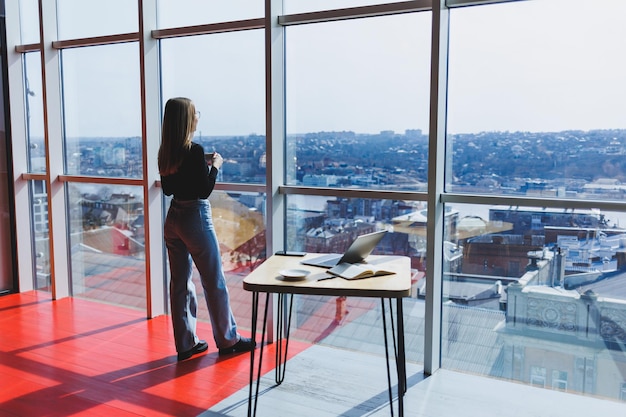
(189, 235)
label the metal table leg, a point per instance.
(282, 332)
(399, 353)
(281, 357)
(401, 362)
(253, 399)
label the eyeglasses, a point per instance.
(198, 114)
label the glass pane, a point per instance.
(358, 102)
(330, 224)
(175, 13)
(102, 111)
(227, 85)
(538, 109)
(29, 21)
(89, 18)
(107, 250)
(33, 99)
(303, 6)
(239, 221)
(536, 295)
(41, 236)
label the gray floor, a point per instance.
(326, 381)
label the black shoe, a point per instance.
(243, 345)
(201, 346)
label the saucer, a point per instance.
(294, 274)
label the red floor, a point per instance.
(84, 358)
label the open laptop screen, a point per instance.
(360, 249)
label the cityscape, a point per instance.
(527, 274)
(569, 164)
(522, 101)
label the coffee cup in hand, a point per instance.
(217, 160)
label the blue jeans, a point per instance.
(189, 235)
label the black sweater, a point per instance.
(193, 179)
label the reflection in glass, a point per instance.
(176, 13)
(318, 224)
(226, 83)
(107, 246)
(536, 295)
(40, 235)
(33, 102)
(85, 19)
(239, 221)
(357, 110)
(330, 224)
(541, 114)
(102, 111)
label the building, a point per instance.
(84, 85)
(564, 339)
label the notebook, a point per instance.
(357, 252)
(357, 271)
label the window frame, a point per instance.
(273, 23)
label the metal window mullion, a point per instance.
(353, 193)
(156, 293)
(210, 28)
(27, 176)
(53, 141)
(463, 3)
(436, 178)
(32, 47)
(19, 156)
(241, 187)
(275, 134)
(96, 41)
(232, 186)
(519, 200)
(356, 12)
(100, 180)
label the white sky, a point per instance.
(541, 65)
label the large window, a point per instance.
(523, 285)
(538, 112)
(41, 234)
(33, 98)
(357, 108)
(107, 245)
(29, 21)
(180, 13)
(327, 224)
(238, 218)
(534, 115)
(517, 221)
(226, 83)
(225, 80)
(102, 113)
(330, 224)
(89, 18)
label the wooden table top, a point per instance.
(267, 278)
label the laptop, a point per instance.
(360, 249)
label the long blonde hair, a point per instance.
(176, 133)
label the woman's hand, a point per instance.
(217, 160)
